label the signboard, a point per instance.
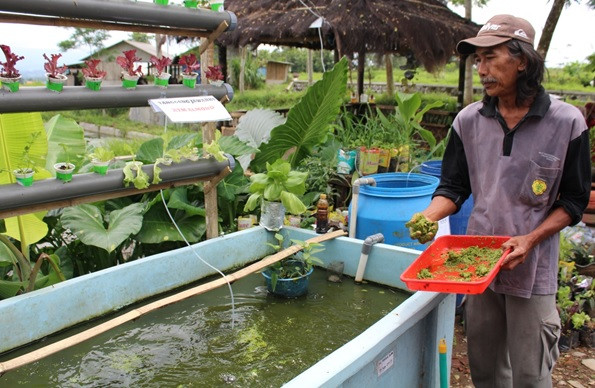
(198, 109)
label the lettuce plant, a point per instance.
(190, 63)
(214, 73)
(51, 66)
(91, 71)
(160, 63)
(8, 68)
(127, 63)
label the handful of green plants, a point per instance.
(421, 229)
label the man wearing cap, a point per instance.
(525, 158)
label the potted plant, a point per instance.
(10, 76)
(161, 78)
(161, 2)
(101, 158)
(54, 73)
(214, 75)
(290, 277)
(64, 169)
(131, 74)
(276, 191)
(93, 76)
(24, 173)
(190, 64)
(191, 3)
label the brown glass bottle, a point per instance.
(322, 214)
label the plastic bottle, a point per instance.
(322, 214)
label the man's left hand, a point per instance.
(520, 246)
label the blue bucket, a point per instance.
(288, 288)
(458, 221)
(386, 207)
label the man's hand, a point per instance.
(520, 246)
(421, 229)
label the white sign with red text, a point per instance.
(199, 109)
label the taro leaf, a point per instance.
(61, 130)
(180, 140)
(254, 128)
(179, 200)
(308, 121)
(233, 184)
(234, 146)
(157, 226)
(86, 221)
(150, 150)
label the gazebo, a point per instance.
(425, 31)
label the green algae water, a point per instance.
(193, 344)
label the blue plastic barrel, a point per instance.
(458, 222)
(386, 207)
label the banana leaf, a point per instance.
(66, 142)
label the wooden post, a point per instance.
(243, 53)
(390, 81)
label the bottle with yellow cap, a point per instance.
(322, 214)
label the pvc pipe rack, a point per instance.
(40, 99)
(122, 15)
(91, 187)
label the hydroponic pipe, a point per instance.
(124, 12)
(51, 193)
(41, 99)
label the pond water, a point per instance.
(192, 343)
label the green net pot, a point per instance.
(24, 178)
(162, 80)
(56, 84)
(161, 2)
(191, 3)
(10, 83)
(129, 81)
(100, 167)
(189, 80)
(93, 83)
(64, 171)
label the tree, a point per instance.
(552, 21)
(141, 37)
(93, 39)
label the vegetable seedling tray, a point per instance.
(445, 279)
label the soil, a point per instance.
(568, 372)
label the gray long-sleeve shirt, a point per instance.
(517, 176)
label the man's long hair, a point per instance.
(529, 80)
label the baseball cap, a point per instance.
(499, 29)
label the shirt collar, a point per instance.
(538, 109)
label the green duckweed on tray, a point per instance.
(457, 264)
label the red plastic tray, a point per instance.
(434, 257)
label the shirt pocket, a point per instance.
(537, 187)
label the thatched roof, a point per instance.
(427, 29)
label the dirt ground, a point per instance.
(568, 372)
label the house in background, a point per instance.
(108, 63)
(277, 72)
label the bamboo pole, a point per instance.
(48, 350)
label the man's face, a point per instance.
(497, 70)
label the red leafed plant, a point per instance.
(91, 71)
(51, 66)
(190, 63)
(127, 62)
(214, 73)
(8, 69)
(160, 63)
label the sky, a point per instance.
(573, 40)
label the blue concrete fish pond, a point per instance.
(400, 349)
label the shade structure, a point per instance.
(427, 31)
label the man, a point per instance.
(525, 158)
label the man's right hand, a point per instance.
(422, 229)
